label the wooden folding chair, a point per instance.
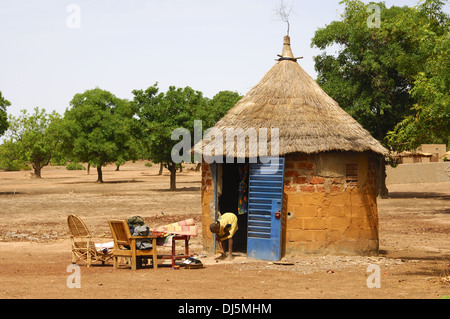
(83, 244)
(125, 245)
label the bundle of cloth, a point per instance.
(139, 228)
(164, 233)
(105, 248)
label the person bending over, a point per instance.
(225, 228)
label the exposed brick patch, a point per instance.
(288, 188)
(289, 165)
(305, 165)
(335, 188)
(320, 189)
(338, 180)
(206, 178)
(317, 180)
(291, 173)
(300, 180)
(307, 188)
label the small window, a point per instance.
(351, 174)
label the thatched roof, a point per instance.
(412, 154)
(309, 121)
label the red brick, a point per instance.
(321, 189)
(288, 188)
(317, 180)
(289, 165)
(301, 165)
(307, 188)
(291, 174)
(335, 188)
(300, 180)
(305, 165)
(338, 180)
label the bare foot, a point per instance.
(219, 256)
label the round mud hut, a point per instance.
(300, 173)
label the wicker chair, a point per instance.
(83, 245)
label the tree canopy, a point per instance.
(160, 114)
(97, 128)
(430, 118)
(167, 119)
(216, 107)
(393, 78)
(34, 138)
(3, 115)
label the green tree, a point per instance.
(430, 118)
(217, 107)
(10, 157)
(376, 73)
(3, 115)
(160, 114)
(34, 137)
(98, 129)
(379, 74)
(364, 77)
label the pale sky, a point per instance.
(47, 55)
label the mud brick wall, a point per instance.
(323, 211)
(418, 173)
(207, 206)
(327, 211)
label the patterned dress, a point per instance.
(243, 190)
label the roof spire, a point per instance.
(287, 52)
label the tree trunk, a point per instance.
(37, 170)
(382, 190)
(89, 168)
(172, 167)
(161, 167)
(100, 174)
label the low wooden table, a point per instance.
(173, 256)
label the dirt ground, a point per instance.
(414, 260)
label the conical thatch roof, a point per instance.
(287, 98)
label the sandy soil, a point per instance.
(414, 260)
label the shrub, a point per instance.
(75, 166)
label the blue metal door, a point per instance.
(265, 198)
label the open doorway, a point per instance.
(229, 202)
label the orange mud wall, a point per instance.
(207, 207)
(329, 204)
